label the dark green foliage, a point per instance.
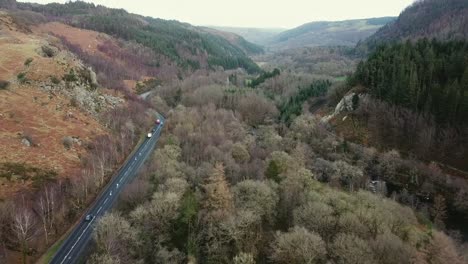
(184, 231)
(70, 76)
(293, 106)
(4, 84)
(355, 101)
(272, 172)
(428, 77)
(22, 77)
(263, 77)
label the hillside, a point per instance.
(31, 103)
(199, 50)
(246, 170)
(443, 20)
(58, 127)
(339, 33)
(235, 39)
(260, 36)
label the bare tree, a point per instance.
(23, 227)
(46, 207)
(299, 245)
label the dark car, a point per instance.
(89, 217)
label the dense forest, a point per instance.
(200, 49)
(430, 77)
(226, 186)
(263, 77)
(245, 170)
(443, 20)
(292, 108)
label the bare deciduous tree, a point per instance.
(298, 246)
(46, 210)
(23, 227)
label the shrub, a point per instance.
(48, 51)
(54, 80)
(4, 84)
(67, 142)
(28, 61)
(22, 77)
(70, 76)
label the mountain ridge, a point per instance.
(199, 50)
(328, 33)
(443, 20)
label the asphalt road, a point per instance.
(73, 246)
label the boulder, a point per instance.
(26, 142)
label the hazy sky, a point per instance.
(255, 13)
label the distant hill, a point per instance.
(190, 47)
(260, 36)
(443, 20)
(235, 39)
(339, 33)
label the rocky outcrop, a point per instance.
(83, 93)
(347, 104)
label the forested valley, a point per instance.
(330, 154)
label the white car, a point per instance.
(89, 217)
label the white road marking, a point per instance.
(84, 231)
(100, 208)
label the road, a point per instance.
(77, 240)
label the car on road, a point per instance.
(149, 135)
(89, 217)
(158, 121)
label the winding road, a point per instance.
(73, 246)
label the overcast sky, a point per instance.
(255, 13)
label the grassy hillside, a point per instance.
(444, 20)
(340, 33)
(190, 47)
(56, 119)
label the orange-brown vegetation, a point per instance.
(47, 119)
(44, 118)
(88, 40)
